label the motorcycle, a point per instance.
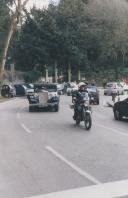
(84, 113)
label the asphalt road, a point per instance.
(44, 152)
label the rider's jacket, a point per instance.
(79, 96)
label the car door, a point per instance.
(124, 108)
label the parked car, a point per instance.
(46, 97)
(124, 85)
(113, 88)
(60, 89)
(8, 91)
(120, 109)
(94, 94)
(20, 89)
(29, 89)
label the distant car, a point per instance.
(29, 89)
(124, 85)
(71, 89)
(113, 88)
(46, 97)
(8, 91)
(60, 88)
(120, 109)
(20, 89)
(94, 94)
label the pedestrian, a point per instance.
(113, 97)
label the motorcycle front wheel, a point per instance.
(87, 121)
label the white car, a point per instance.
(73, 87)
(113, 88)
(124, 85)
(29, 89)
(60, 88)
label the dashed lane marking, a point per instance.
(25, 128)
(111, 129)
(73, 166)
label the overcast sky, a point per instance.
(39, 3)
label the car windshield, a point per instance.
(29, 86)
(111, 85)
(51, 88)
(91, 89)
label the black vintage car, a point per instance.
(120, 109)
(45, 97)
(8, 91)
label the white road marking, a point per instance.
(73, 166)
(107, 190)
(25, 128)
(110, 129)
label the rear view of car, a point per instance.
(113, 88)
(8, 91)
(29, 89)
(124, 85)
(20, 90)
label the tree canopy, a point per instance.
(86, 34)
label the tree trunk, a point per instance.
(46, 74)
(79, 74)
(5, 50)
(56, 73)
(69, 73)
(13, 24)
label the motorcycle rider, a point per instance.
(78, 97)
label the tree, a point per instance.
(16, 14)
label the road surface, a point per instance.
(45, 152)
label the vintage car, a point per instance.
(45, 97)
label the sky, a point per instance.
(39, 3)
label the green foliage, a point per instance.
(32, 76)
(90, 35)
